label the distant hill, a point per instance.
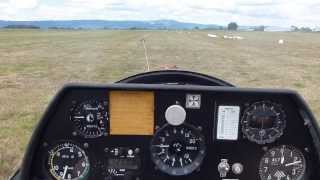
(21, 27)
(105, 24)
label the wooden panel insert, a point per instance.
(131, 113)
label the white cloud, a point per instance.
(23, 4)
(246, 12)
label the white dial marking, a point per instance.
(65, 172)
(293, 163)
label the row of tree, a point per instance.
(22, 27)
(234, 26)
(302, 29)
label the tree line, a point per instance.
(22, 27)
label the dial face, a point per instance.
(178, 150)
(91, 118)
(263, 122)
(282, 163)
(68, 161)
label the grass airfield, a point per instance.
(35, 64)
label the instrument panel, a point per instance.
(143, 132)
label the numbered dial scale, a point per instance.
(68, 161)
(263, 122)
(90, 118)
(283, 163)
(178, 150)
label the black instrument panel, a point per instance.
(207, 133)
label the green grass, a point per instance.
(34, 64)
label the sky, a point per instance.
(282, 13)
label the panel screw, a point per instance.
(237, 168)
(137, 150)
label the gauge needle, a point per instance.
(294, 163)
(282, 158)
(173, 161)
(181, 163)
(65, 172)
(162, 146)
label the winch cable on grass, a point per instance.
(147, 68)
(148, 64)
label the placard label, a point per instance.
(228, 122)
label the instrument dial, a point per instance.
(283, 163)
(68, 161)
(91, 118)
(178, 150)
(263, 122)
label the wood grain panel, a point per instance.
(131, 113)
